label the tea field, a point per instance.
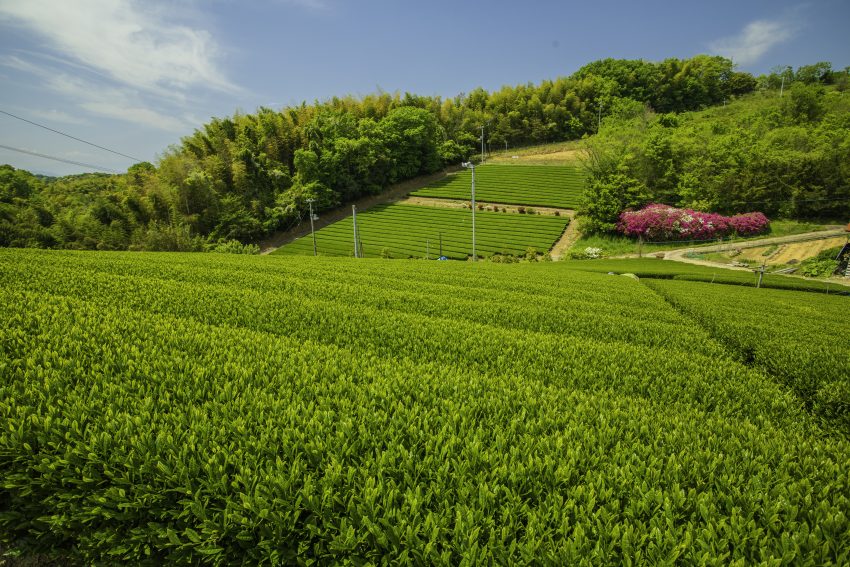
(414, 231)
(668, 269)
(215, 409)
(537, 185)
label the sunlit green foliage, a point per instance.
(799, 338)
(544, 185)
(219, 409)
(784, 156)
(403, 231)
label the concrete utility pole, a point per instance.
(354, 217)
(761, 275)
(782, 86)
(470, 165)
(312, 230)
(599, 122)
(482, 146)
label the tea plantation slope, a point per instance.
(536, 185)
(801, 339)
(405, 231)
(211, 409)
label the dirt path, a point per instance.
(394, 193)
(459, 204)
(567, 239)
(726, 246)
(560, 157)
(679, 255)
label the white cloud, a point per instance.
(131, 43)
(54, 115)
(117, 103)
(756, 39)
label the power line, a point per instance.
(63, 160)
(70, 136)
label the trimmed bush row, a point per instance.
(544, 186)
(404, 231)
(214, 409)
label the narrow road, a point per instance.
(679, 254)
(726, 246)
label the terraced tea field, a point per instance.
(212, 409)
(535, 185)
(412, 231)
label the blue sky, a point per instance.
(136, 76)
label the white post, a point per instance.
(482, 148)
(468, 165)
(354, 216)
(312, 230)
(473, 213)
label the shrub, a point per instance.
(663, 222)
(589, 253)
(520, 210)
(234, 247)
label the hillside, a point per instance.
(179, 408)
(249, 176)
(784, 156)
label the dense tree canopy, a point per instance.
(786, 156)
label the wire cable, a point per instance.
(70, 136)
(63, 160)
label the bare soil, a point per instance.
(798, 251)
(460, 204)
(567, 239)
(561, 157)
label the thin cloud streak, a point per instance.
(756, 39)
(133, 46)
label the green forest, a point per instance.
(244, 177)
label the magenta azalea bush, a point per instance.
(663, 222)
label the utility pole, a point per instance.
(761, 275)
(482, 148)
(354, 217)
(312, 230)
(470, 165)
(782, 86)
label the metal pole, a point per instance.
(482, 148)
(354, 216)
(473, 210)
(312, 230)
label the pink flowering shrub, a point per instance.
(749, 224)
(663, 222)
